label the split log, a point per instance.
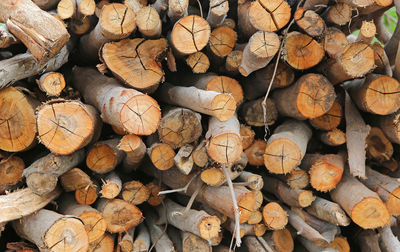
(116, 22)
(233, 61)
(198, 62)
(325, 170)
(295, 198)
(177, 9)
(274, 216)
(184, 160)
(222, 41)
(74, 179)
(256, 180)
(134, 112)
(142, 240)
(367, 32)
(286, 147)
(104, 156)
(368, 241)
(155, 198)
(134, 149)
(75, 9)
(334, 41)
(39, 31)
(259, 51)
(255, 152)
(222, 106)
(24, 65)
(280, 240)
(328, 211)
(112, 186)
(157, 234)
(179, 126)
(190, 34)
(379, 148)
(51, 83)
(301, 51)
(363, 206)
(225, 145)
(330, 120)
(42, 175)
(339, 14)
(126, 243)
(218, 10)
(390, 241)
(119, 215)
(6, 37)
(60, 120)
(92, 219)
(253, 112)
(86, 195)
(199, 154)
(11, 169)
(135, 62)
(149, 22)
(24, 202)
(247, 136)
(297, 179)
(161, 155)
(53, 232)
(334, 137)
(104, 244)
(310, 22)
(311, 96)
(135, 192)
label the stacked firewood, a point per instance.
(182, 125)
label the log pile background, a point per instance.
(184, 125)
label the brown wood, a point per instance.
(339, 13)
(341, 244)
(255, 179)
(368, 241)
(184, 160)
(255, 218)
(198, 62)
(158, 236)
(382, 61)
(247, 136)
(253, 112)
(42, 175)
(60, 120)
(389, 124)
(311, 96)
(367, 32)
(310, 22)
(177, 9)
(134, 112)
(6, 37)
(274, 216)
(280, 240)
(334, 137)
(233, 60)
(75, 8)
(222, 42)
(46, 4)
(126, 243)
(334, 41)
(149, 22)
(255, 152)
(330, 120)
(135, 192)
(104, 156)
(378, 147)
(40, 32)
(135, 5)
(80, 26)
(11, 169)
(214, 175)
(142, 239)
(154, 199)
(218, 10)
(74, 179)
(199, 154)
(286, 147)
(104, 244)
(51, 83)
(161, 155)
(135, 151)
(112, 186)
(86, 195)
(297, 179)
(328, 211)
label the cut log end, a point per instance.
(101, 158)
(382, 96)
(224, 148)
(305, 198)
(223, 106)
(95, 225)
(52, 83)
(104, 244)
(269, 15)
(120, 215)
(135, 192)
(11, 171)
(393, 202)
(222, 41)
(274, 216)
(246, 203)
(162, 156)
(86, 195)
(370, 213)
(41, 183)
(247, 136)
(283, 240)
(298, 179)
(281, 156)
(117, 21)
(340, 13)
(154, 198)
(149, 22)
(334, 137)
(330, 120)
(226, 85)
(209, 227)
(358, 59)
(198, 62)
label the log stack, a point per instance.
(179, 125)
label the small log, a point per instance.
(232, 62)
(157, 234)
(94, 223)
(341, 244)
(255, 218)
(280, 240)
(53, 232)
(112, 186)
(126, 243)
(177, 9)
(59, 121)
(389, 124)
(247, 136)
(378, 148)
(328, 211)
(363, 206)
(222, 41)
(217, 12)
(295, 198)
(184, 160)
(190, 34)
(6, 37)
(310, 22)
(330, 120)
(199, 154)
(367, 32)
(119, 215)
(40, 32)
(222, 106)
(161, 155)
(253, 112)
(104, 156)
(259, 51)
(325, 170)
(214, 175)
(255, 179)
(74, 179)
(368, 241)
(155, 198)
(86, 195)
(11, 169)
(116, 22)
(51, 83)
(334, 41)
(301, 51)
(135, 5)
(382, 61)
(224, 145)
(135, 151)
(134, 112)
(334, 137)
(80, 26)
(311, 96)
(24, 65)
(246, 229)
(286, 147)
(24, 202)
(135, 192)
(339, 14)
(255, 152)
(42, 175)
(179, 126)
(310, 246)
(192, 242)
(198, 62)
(142, 239)
(149, 22)
(104, 244)
(356, 133)
(274, 216)
(297, 179)
(390, 241)
(75, 8)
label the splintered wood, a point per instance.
(199, 126)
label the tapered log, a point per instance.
(119, 215)
(179, 126)
(253, 112)
(94, 223)
(135, 151)
(86, 195)
(280, 240)
(11, 169)
(330, 120)
(142, 239)
(154, 199)
(75, 8)
(222, 41)
(311, 96)
(126, 243)
(368, 241)
(310, 22)
(256, 84)
(218, 10)
(367, 32)
(134, 62)
(157, 234)
(51, 231)
(74, 179)
(325, 170)
(356, 133)
(341, 244)
(378, 147)
(297, 179)
(190, 34)
(112, 186)
(302, 51)
(225, 145)
(6, 37)
(255, 179)
(177, 9)
(42, 175)
(104, 156)
(135, 192)
(328, 211)
(198, 62)
(40, 32)
(134, 112)
(286, 147)
(295, 198)
(59, 121)
(212, 103)
(390, 241)
(51, 83)
(116, 22)
(339, 13)
(199, 154)
(24, 65)
(274, 216)
(334, 137)
(104, 244)
(161, 155)
(259, 51)
(334, 41)
(255, 152)
(184, 160)
(363, 206)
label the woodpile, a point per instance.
(256, 125)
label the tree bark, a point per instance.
(134, 149)
(11, 169)
(328, 211)
(74, 179)
(6, 37)
(112, 186)
(217, 12)
(253, 112)
(142, 240)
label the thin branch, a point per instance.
(264, 244)
(183, 189)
